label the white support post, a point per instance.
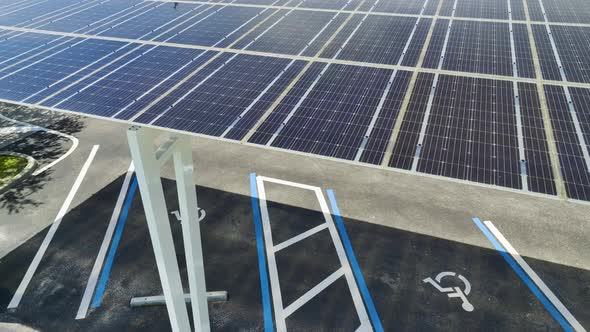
(147, 170)
(191, 232)
(148, 162)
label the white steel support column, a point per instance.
(147, 168)
(191, 231)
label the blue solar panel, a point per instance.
(383, 85)
(213, 102)
(575, 168)
(210, 27)
(335, 113)
(374, 42)
(290, 33)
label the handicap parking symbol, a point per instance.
(453, 291)
(201, 214)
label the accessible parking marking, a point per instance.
(529, 277)
(93, 279)
(104, 278)
(345, 269)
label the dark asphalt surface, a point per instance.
(394, 263)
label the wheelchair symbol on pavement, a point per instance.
(453, 291)
(200, 212)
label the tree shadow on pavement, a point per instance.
(44, 147)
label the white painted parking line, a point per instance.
(93, 279)
(536, 279)
(18, 295)
(300, 237)
(277, 298)
(282, 313)
(310, 294)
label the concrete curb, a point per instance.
(31, 165)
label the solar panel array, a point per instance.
(489, 91)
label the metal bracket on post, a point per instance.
(148, 163)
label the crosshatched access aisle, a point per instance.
(495, 92)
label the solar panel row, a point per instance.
(292, 90)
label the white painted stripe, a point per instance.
(98, 263)
(280, 313)
(365, 327)
(385, 93)
(310, 294)
(352, 286)
(63, 156)
(275, 286)
(432, 94)
(287, 183)
(570, 103)
(52, 230)
(536, 279)
(300, 237)
(203, 81)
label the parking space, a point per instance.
(334, 260)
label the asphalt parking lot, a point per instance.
(401, 228)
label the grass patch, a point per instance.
(11, 166)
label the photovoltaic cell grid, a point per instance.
(385, 86)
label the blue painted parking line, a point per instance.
(268, 322)
(523, 276)
(360, 280)
(106, 271)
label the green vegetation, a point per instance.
(10, 166)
